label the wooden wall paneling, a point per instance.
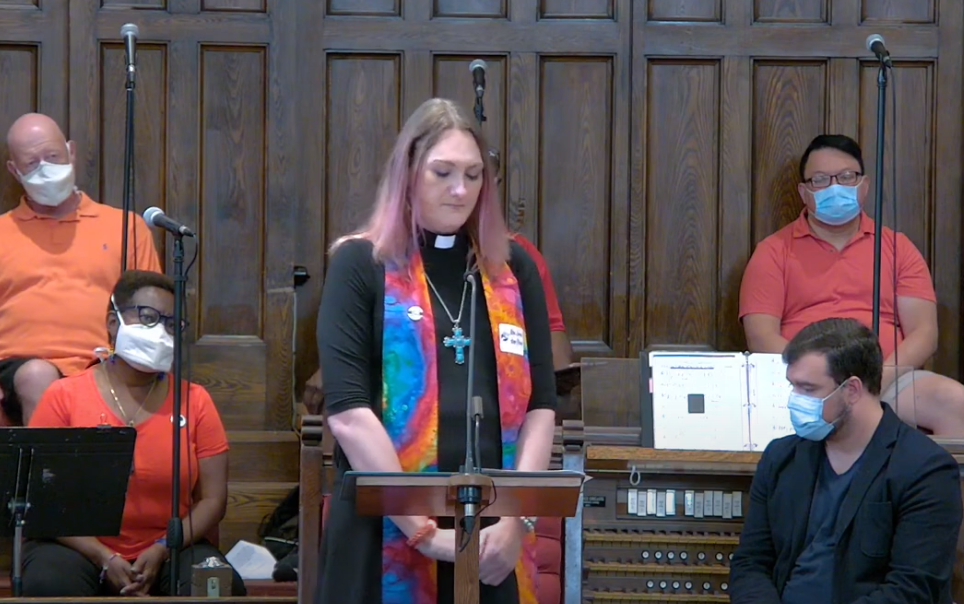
(909, 148)
(557, 94)
(575, 171)
(789, 103)
(779, 85)
(311, 181)
(947, 187)
(681, 199)
(33, 51)
(214, 145)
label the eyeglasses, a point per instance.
(150, 316)
(822, 181)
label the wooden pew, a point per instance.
(313, 470)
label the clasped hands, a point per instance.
(136, 579)
(500, 546)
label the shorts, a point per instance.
(889, 395)
(11, 402)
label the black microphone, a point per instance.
(157, 218)
(875, 44)
(478, 67)
(129, 33)
(471, 497)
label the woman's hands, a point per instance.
(119, 574)
(440, 546)
(145, 570)
(500, 546)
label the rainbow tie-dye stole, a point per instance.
(410, 413)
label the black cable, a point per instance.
(893, 201)
(467, 535)
(185, 412)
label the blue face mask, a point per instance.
(836, 205)
(806, 415)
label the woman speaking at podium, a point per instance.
(132, 387)
(393, 331)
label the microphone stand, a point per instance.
(128, 166)
(471, 495)
(175, 529)
(879, 190)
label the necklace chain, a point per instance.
(117, 403)
(455, 320)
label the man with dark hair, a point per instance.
(822, 265)
(857, 506)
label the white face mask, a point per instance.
(147, 349)
(49, 184)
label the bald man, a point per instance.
(59, 260)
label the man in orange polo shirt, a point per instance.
(60, 257)
(822, 265)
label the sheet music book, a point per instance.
(721, 401)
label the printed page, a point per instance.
(699, 401)
(769, 392)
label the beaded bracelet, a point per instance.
(423, 533)
(103, 571)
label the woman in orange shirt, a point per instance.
(133, 388)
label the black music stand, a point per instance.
(62, 482)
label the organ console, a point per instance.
(661, 526)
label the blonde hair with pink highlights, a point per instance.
(393, 226)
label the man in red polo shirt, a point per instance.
(822, 265)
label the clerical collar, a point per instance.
(442, 242)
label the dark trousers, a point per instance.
(52, 570)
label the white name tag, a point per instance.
(512, 339)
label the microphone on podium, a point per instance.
(471, 497)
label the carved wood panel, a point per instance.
(645, 161)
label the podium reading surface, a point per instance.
(550, 493)
(504, 494)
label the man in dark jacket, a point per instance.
(857, 508)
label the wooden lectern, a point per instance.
(504, 493)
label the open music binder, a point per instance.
(722, 401)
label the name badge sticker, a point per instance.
(512, 339)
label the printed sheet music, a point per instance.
(699, 401)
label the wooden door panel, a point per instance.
(781, 85)
(363, 111)
(910, 145)
(213, 148)
(575, 188)
(557, 103)
(681, 200)
(789, 110)
(33, 50)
